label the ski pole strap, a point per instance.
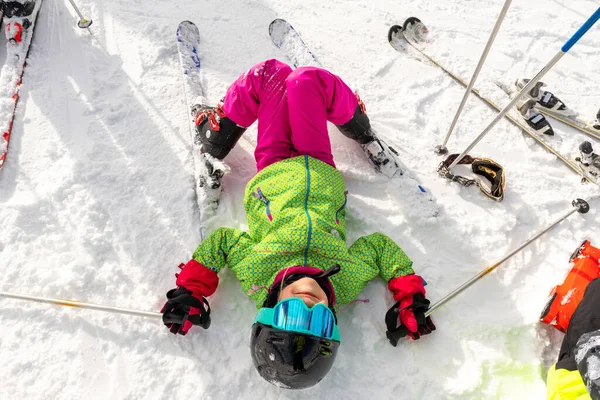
(395, 329)
(184, 302)
(203, 319)
(484, 167)
(394, 332)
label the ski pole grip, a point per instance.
(582, 31)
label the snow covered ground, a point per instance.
(97, 199)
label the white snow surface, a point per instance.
(97, 199)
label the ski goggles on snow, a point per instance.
(294, 315)
(484, 167)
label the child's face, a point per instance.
(307, 289)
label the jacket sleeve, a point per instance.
(382, 254)
(565, 385)
(225, 246)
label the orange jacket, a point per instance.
(565, 297)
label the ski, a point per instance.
(208, 171)
(288, 40)
(399, 38)
(589, 128)
(547, 103)
(19, 24)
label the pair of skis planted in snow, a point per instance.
(285, 37)
(19, 23)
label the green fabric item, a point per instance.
(565, 385)
(296, 212)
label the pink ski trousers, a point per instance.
(292, 108)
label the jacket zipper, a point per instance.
(309, 235)
(337, 220)
(259, 195)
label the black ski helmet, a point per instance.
(288, 359)
(291, 360)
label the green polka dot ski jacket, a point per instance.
(296, 212)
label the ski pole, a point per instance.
(579, 205)
(566, 47)
(442, 149)
(79, 304)
(83, 22)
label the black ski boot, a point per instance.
(214, 131)
(534, 118)
(588, 157)
(596, 123)
(383, 157)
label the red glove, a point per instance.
(198, 279)
(409, 292)
(185, 305)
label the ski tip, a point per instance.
(414, 30)
(186, 25)
(187, 31)
(395, 32)
(278, 23)
(410, 21)
(278, 30)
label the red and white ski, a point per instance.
(19, 22)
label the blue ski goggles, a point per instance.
(294, 315)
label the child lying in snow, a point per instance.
(293, 261)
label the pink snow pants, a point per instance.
(292, 108)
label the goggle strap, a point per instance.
(326, 274)
(484, 167)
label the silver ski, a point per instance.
(188, 41)
(286, 38)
